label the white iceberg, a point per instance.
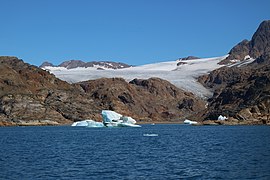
(110, 119)
(222, 118)
(114, 119)
(88, 123)
(150, 135)
(190, 122)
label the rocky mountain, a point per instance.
(32, 96)
(148, 100)
(78, 63)
(257, 46)
(186, 58)
(46, 63)
(243, 93)
(189, 58)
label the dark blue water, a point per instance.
(179, 151)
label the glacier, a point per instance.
(183, 76)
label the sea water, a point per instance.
(150, 152)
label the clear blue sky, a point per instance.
(131, 31)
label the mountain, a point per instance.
(24, 89)
(32, 96)
(153, 99)
(46, 63)
(189, 58)
(71, 64)
(257, 46)
(243, 92)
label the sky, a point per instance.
(135, 32)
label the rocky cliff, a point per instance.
(243, 93)
(32, 96)
(259, 45)
(148, 100)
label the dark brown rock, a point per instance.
(259, 45)
(240, 92)
(153, 99)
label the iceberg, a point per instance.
(190, 122)
(150, 135)
(114, 119)
(88, 123)
(222, 118)
(110, 119)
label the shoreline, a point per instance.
(204, 123)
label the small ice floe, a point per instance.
(222, 118)
(190, 122)
(88, 123)
(150, 135)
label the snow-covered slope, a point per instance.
(183, 76)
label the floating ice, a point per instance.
(222, 118)
(190, 122)
(150, 135)
(110, 119)
(114, 119)
(88, 123)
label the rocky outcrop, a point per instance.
(241, 93)
(189, 58)
(78, 63)
(148, 100)
(259, 45)
(23, 90)
(32, 96)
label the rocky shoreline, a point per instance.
(203, 123)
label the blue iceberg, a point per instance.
(110, 119)
(114, 119)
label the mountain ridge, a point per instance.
(243, 93)
(71, 64)
(257, 46)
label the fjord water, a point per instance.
(150, 152)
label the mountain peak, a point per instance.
(257, 46)
(46, 63)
